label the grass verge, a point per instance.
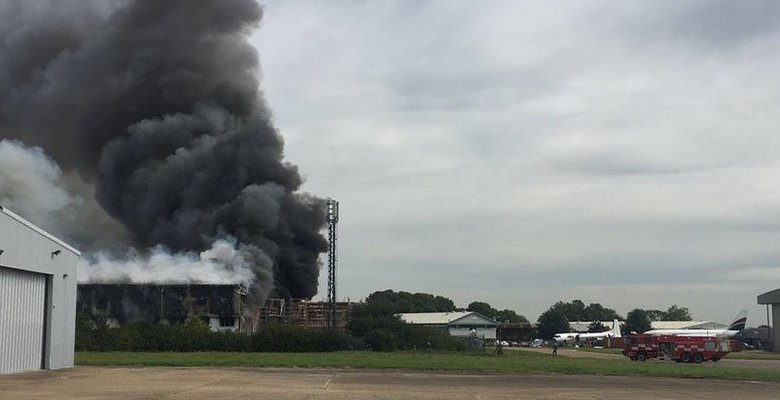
(754, 355)
(512, 362)
(603, 350)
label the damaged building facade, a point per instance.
(303, 313)
(219, 306)
(222, 307)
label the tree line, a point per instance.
(376, 320)
(557, 318)
(389, 302)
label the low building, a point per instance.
(461, 323)
(37, 297)
(303, 313)
(220, 306)
(759, 337)
(514, 331)
(772, 298)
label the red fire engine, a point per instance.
(678, 348)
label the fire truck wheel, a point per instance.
(698, 358)
(641, 357)
(715, 359)
(685, 357)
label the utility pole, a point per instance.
(333, 219)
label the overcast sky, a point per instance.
(522, 153)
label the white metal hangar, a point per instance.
(37, 297)
(459, 323)
(772, 298)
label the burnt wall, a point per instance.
(158, 303)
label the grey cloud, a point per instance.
(574, 144)
(706, 25)
(615, 163)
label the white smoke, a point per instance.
(31, 184)
(223, 263)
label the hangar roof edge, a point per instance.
(39, 230)
(770, 297)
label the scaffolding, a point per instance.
(303, 313)
(333, 219)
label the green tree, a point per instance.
(597, 312)
(574, 311)
(551, 322)
(677, 313)
(443, 304)
(577, 311)
(507, 315)
(637, 321)
(388, 303)
(655, 315)
(482, 308)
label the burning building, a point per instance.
(222, 307)
(137, 131)
(219, 306)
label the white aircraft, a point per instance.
(576, 337)
(734, 328)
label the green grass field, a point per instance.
(596, 350)
(513, 362)
(754, 355)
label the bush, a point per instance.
(95, 335)
(389, 333)
(377, 333)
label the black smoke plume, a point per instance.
(156, 104)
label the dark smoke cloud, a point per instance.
(156, 104)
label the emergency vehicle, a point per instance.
(678, 348)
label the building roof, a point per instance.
(771, 297)
(446, 318)
(39, 230)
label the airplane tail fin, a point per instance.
(739, 321)
(616, 328)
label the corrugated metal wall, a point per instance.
(22, 316)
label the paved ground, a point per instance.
(281, 384)
(724, 363)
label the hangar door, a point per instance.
(22, 320)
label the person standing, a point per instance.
(555, 349)
(499, 350)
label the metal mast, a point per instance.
(333, 219)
